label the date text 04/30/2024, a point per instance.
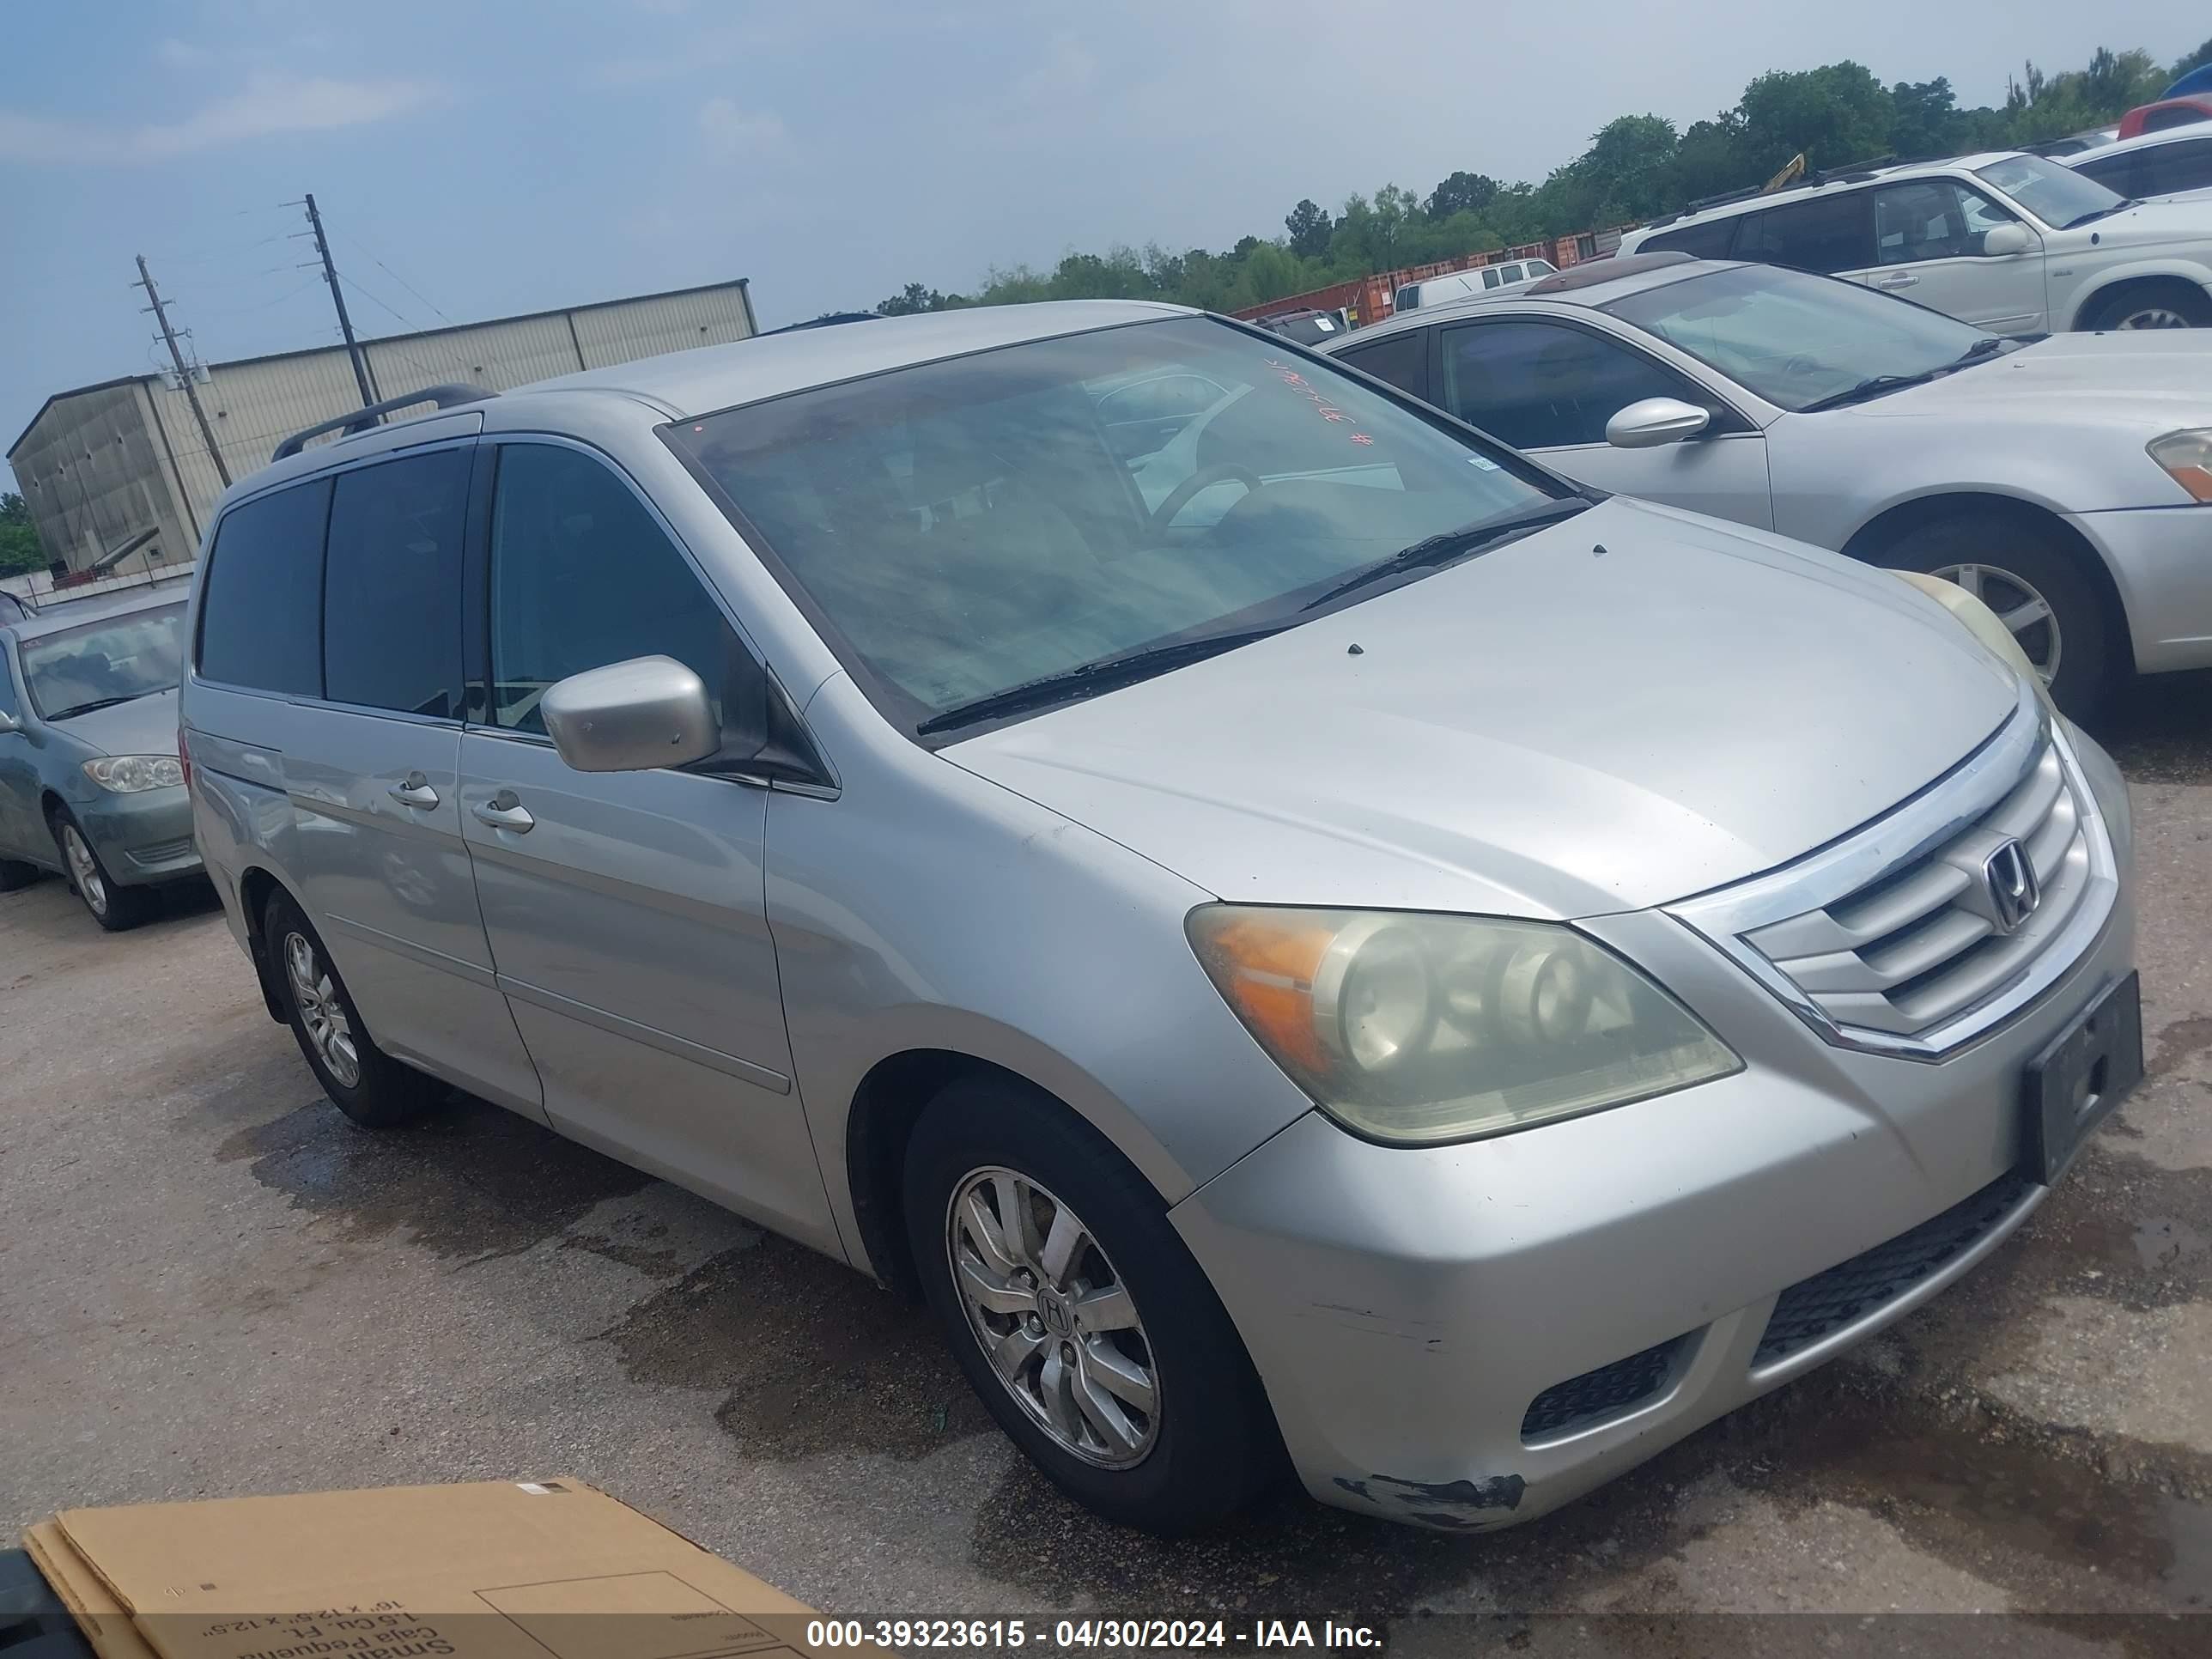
(1091, 1634)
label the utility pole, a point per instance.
(345, 323)
(183, 374)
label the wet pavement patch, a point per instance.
(470, 1181)
(811, 1357)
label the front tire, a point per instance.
(366, 1084)
(1079, 1317)
(2153, 305)
(116, 909)
(2039, 589)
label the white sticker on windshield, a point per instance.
(1482, 461)
(1324, 324)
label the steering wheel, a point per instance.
(1184, 493)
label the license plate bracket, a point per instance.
(2081, 1076)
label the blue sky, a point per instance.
(480, 157)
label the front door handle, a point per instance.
(504, 812)
(1902, 279)
(416, 791)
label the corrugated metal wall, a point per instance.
(255, 404)
(93, 474)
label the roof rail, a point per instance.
(1855, 170)
(445, 397)
(1726, 197)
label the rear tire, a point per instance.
(118, 909)
(2020, 571)
(1160, 1422)
(2153, 305)
(366, 1084)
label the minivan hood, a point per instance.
(2151, 379)
(144, 725)
(1623, 709)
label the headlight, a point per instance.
(1419, 1029)
(126, 774)
(1985, 625)
(2187, 459)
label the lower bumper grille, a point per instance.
(161, 851)
(1811, 1308)
(1609, 1391)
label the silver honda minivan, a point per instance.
(1311, 940)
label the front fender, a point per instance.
(2085, 301)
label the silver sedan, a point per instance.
(2060, 480)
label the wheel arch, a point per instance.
(255, 884)
(2114, 284)
(1900, 518)
(879, 1124)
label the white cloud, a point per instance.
(1069, 67)
(181, 54)
(731, 131)
(269, 105)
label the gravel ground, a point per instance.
(210, 1285)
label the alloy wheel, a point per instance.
(84, 869)
(320, 1013)
(1056, 1322)
(2154, 316)
(2023, 610)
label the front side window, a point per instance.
(1541, 268)
(582, 576)
(2059, 196)
(261, 614)
(1793, 339)
(1490, 277)
(8, 705)
(392, 587)
(97, 664)
(2118, 174)
(966, 526)
(1541, 385)
(1932, 219)
(1823, 234)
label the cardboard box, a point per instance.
(495, 1570)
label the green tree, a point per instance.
(20, 550)
(910, 299)
(1835, 114)
(1463, 193)
(1924, 119)
(2196, 59)
(1308, 225)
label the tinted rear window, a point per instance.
(1825, 234)
(1403, 359)
(392, 611)
(1707, 241)
(261, 622)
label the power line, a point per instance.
(177, 356)
(402, 281)
(405, 322)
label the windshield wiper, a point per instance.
(2101, 213)
(1107, 674)
(1877, 385)
(1477, 537)
(87, 708)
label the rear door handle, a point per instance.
(504, 812)
(415, 792)
(1902, 279)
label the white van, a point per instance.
(1465, 285)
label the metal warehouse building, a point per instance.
(117, 475)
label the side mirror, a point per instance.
(631, 717)
(1651, 421)
(2001, 240)
(7, 722)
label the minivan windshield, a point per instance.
(1801, 341)
(113, 661)
(2056, 195)
(962, 528)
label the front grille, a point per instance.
(1607, 1392)
(1811, 1308)
(162, 851)
(1922, 944)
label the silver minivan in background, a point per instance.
(1309, 939)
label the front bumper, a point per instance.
(1413, 1313)
(143, 837)
(2161, 558)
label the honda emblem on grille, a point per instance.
(2010, 876)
